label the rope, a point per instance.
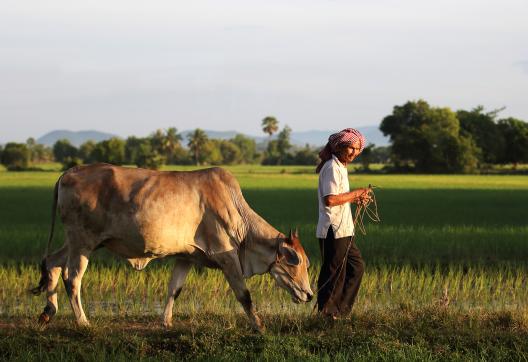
(364, 208)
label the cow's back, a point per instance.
(138, 212)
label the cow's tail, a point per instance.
(44, 275)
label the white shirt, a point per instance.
(333, 180)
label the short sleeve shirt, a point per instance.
(333, 180)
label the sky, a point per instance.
(131, 67)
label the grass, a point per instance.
(393, 334)
(446, 278)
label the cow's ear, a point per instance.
(290, 255)
(296, 234)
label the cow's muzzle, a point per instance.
(301, 296)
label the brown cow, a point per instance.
(200, 217)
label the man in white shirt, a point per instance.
(342, 265)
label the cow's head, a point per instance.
(290, 268)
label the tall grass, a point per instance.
(118, 290)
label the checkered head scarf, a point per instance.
(339, 140)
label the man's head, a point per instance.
(346, 153)
(345, 145)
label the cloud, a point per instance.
(246, 27)
(523, 64)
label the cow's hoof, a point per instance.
(167, 324)
(83, 324)
(44, 318)
(260, 328)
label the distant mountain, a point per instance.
(222, 135)
(314, 138)
(319, 138)
(76, 138)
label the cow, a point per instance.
(199, 217)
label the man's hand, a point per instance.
(358, 196)
(365, 196)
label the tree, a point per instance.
(31, 144)
(116, 150)
(15, 156)
(380, 154)
(428, 139)
(166, 143)
(270, 125)
(64, 151)
(158, 141)
(515, 134)
(283, 144)
(132, 145)
(181, 157)
(482, 127)
(271, 156)
(247, 147)
(147, 156)
(86, 151)
(230, 152)
(172, 144)
(197, 142)
(306, 156)
(110, 151)
(38, 152)
(211, 153)
(366, 157)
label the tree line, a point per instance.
(423, 138)
(164, 147)
(436, 139)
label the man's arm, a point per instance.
(358, 195)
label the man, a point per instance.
(342, 267)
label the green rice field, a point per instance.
(446, 279)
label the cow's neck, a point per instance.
(259, 248)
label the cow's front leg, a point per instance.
(233, 274)
(179, 273)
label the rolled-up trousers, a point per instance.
(340, 276)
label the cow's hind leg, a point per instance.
(72, 276)
(179, 273)
(51, 268)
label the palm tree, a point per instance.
(157, 139)
(197, 141)
(172, 142)
(270, 125)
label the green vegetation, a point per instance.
(438, 140)
(446, 278)
(15, 156)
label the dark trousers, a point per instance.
(340, 276)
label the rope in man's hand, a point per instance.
(364, 207)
